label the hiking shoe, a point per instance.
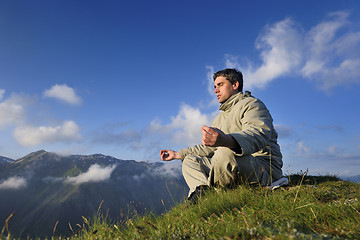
(283, 181)
(198, 193)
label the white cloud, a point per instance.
(333, 52)
(209, 77)
(95, 173)
(169, 169)
(185, 127)
(13, 183)
(301, 148)
(328, 54)
(2, 92)
(13, 113)
(63, 93)
(210, 80)
(333, 159)
(30, 136)
(157, 127)
(190, 120)
(12, 110)
(280, 46)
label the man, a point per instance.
(240, 147)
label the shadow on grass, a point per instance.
(303, 178)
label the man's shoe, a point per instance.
(283, 181)
(198, 193)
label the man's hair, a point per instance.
(232, 75)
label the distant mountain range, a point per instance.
(5, 160)
(355, 179)
(44, 188)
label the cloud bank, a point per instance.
(63, 93)
(12, 110)
(13, 183)
(185, 127)
(95, 173)
(31, 136)
(328, 54)
(337, 159)
(169, 170)
(2, 92)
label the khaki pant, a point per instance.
(223, 170)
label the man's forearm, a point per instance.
(230, 142)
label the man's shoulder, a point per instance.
(248, 99)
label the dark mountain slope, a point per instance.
(43, 188)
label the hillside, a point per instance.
(101, 197)
(353, 178)
(309, 208)
(5, 160)
(44, 189)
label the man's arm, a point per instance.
(168, 155)
(256, 127)
(214, 137)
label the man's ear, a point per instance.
(236, 86)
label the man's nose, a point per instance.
(216, 90)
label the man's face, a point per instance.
(224, 89)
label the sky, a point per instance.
(129, 78)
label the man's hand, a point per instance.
(214, 137)
(168, 155)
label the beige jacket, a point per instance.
(249, 121)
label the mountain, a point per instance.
(355, 179)
(44, 188)
(5, 160)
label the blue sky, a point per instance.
(128, 78)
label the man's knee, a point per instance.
(193, 162)
(252, 171)
(188, 161)
(224, 168)
(224, 159)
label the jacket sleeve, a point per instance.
(199, 150)
(256, 122)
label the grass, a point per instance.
(309, 208)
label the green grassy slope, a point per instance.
(309, 208)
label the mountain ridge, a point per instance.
(5, 160)
(43, 188)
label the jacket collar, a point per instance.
(232, 100)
